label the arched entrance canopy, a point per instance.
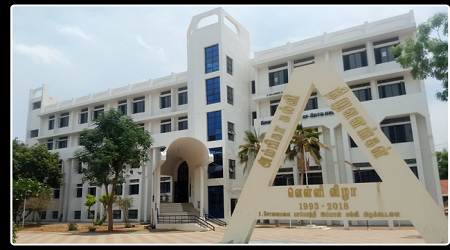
(189, 149)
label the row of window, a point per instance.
(354, 57)
(212, 60)
(117, 214)
(397, 130)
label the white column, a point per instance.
(202, 190)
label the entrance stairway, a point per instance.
(167, 208)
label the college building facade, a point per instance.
(198, 118)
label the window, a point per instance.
(165, 99)
(118, 190)
(139, 105)
(274, 106)
(303, 62)
(165, 126)
(253, 117)
(397, 130)
(117, 214)
(213, 90)
(83, 116)
(232, 169)
(97, 111)
(36, 105)
(55, 215)
(34, 133)
(231, 132)
(354, 57)
(142, 125)
(253, 87)
(212, 59)
(77, 215)
(56, 194)
(134, 189)
(50, 144)
(44, 215)
(92, 191)
(312, 103)
(51, 122)
(278, 77)
(122, 106)
(79, 190)
(214, 126)
(387, 88)
(284, 179)
(62, 142)
(313, 178)
(182, 123)
(230, 95)
(382, 50)
(229, 66)
(132, 214)
(165, 187)
(362, 91)
(215, 168)
(64, 120)
(182, 96)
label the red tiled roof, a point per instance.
(444, 186)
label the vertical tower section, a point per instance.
(218, 56)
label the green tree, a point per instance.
(304, 140)
(37, 163)
(442, 160)
(22, 189)
(110, 149)
(90, 201)
(124, 205)
(427, 56)
(250, 149)
(40, 203)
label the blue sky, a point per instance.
(78, 50)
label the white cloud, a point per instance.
(157, 51)
(72, 31)
(42, 54)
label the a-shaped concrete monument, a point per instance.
(400, 195)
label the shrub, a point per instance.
(16, 229)
(91, 229)
(72, 226)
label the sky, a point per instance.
(82, 49)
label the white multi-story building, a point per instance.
(197, 118)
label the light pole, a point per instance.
(360, 180)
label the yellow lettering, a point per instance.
(358, 121)
(336, 93)
(371, 142)
(379, 151)
(276, 136)
(353, 191)
(271, 144)
(290, 193)
(291, 100)
(279, 130)
(318, 192)
(287, 110)
(341, 104)
(365, 133)
(350, 112)
(264, 162)
(285, 118)
(268, 152)
(334, 191)
(345, 193)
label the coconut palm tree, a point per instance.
(305, 140)
(251, 148)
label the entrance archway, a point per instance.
(181, 186)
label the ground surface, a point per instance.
(82, 227)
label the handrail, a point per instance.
(181, 219)
(214, 220)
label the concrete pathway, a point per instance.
(283, 235)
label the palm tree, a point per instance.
(305, 140)
(251, 148)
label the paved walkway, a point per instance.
(330, 235)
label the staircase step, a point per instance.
(167, 208)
